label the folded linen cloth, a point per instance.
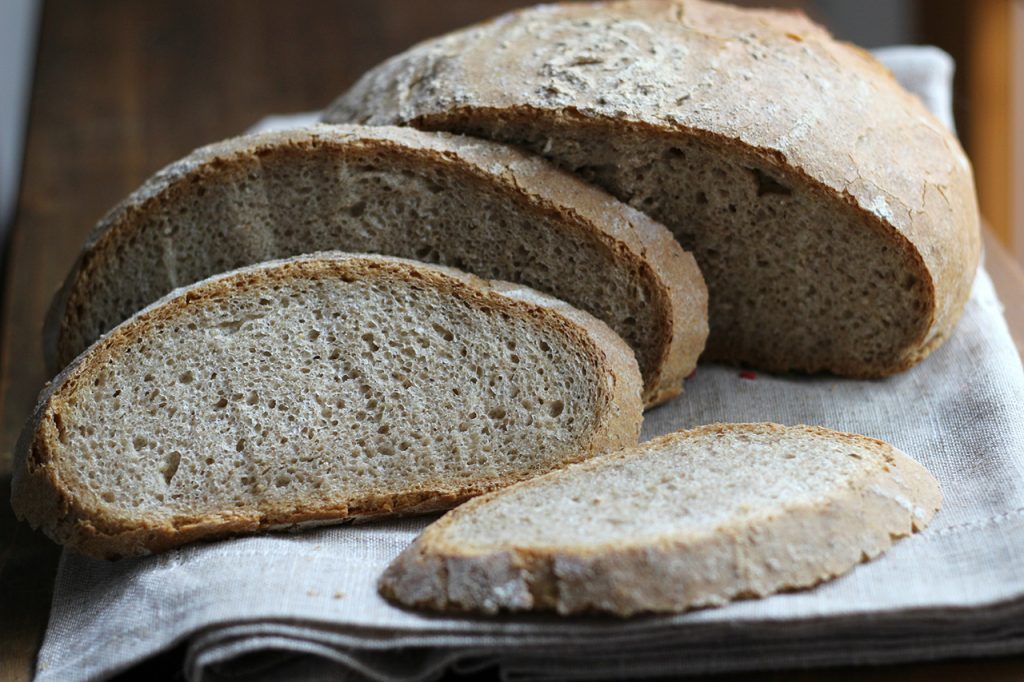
(305, 606)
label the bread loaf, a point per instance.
(693, 519)
(475, 205)
(833, 217)
(316, 390)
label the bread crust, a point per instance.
(790, 546)
(771, 84)
(46, 495)
(638, 243)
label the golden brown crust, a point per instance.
(772, 83)
(794, 546)
(634, 240)
(44, 495)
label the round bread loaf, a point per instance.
(833, 217)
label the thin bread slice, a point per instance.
(692, 519)
(479, 206)
(315, 390)
(833, 217)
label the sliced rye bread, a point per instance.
(315, 390)
(693, 519)
(471, 204)
(834, 218)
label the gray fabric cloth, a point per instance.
(305, 607)
(925, 71)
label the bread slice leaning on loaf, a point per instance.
(693, 519)
(471, 204)
(315, 390)
(833, 217)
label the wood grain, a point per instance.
(990, 42)
(1008, 278)
(123, 87)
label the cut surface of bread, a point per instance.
(693, 519)
(315, 390)
(476, 205)
(833, 217)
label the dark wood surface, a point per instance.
(123, 87)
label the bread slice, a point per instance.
(315, 390)
(834, 218)
(470, 204)
(692, 519)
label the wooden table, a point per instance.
(123, 87)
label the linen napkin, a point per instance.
(305, 607)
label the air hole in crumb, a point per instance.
(768, 185)
(186, 377)
(62, 434)
(555, 408)
(357, 209)
(445, 333)
(170, 467)
(221, 404)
